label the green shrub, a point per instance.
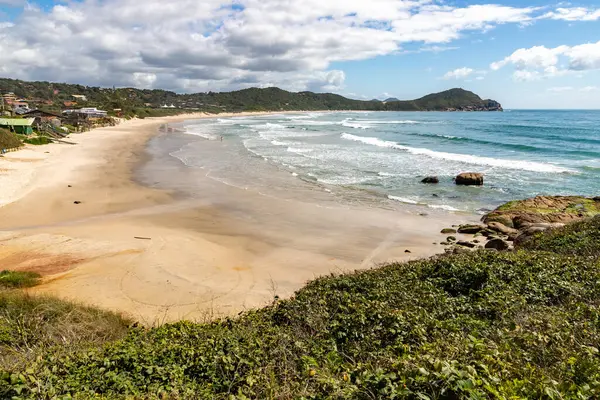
(579, 238)
(480, 325)
(18, 279)
(37, 140)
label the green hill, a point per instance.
(516, 325)
(131, 100)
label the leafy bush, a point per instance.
(479, 325)
(582, 238)
(18, 279)
(37, 140)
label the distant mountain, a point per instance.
(391, 99)
(129, 101)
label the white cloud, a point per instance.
(559, 89)
(480, 78)
(192, 45)
(541, 62)
(459, 73)
(589, 89)
(573, 14)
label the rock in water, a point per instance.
(431, 179)
(497, 244)
(469, 179)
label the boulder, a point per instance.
(497, 244)
(469, 179)
(528, 234)
(501, 228)
(450, 239)
(470, 229)
(431, 179)
(466, 244)
(448, 231)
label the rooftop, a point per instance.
(17, 121)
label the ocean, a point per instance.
(379, 158)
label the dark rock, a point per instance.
(527, 235)
(447, 231)
(431, 179)
(476, 241)
(435, 195)
(466, 244)
(451, 239)
(77, 202)
(488, 232)
(69, 186)
(470, 229)
(497, 244)
(407, 251)
(469, 179)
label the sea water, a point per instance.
(380, 158)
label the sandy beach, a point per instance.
(158, 257)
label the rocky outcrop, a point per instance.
(469, 179)
(431, 179)
(523, 214)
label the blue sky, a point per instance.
(524, 54)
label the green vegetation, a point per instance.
(524, 324)
(18, 279)
(35, 140)
(8, 140)
(144, 103)
(32, 327)
(579, 238)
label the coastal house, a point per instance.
(89, 112)
(79, 97)
(23, 126)
(41, 116)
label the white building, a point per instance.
(91, 112)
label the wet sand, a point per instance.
(158, 256)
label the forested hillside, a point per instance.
(54, 95)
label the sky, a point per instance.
(524, 54)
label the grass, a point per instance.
(18, 279)
(8, 140)
(524, 324)
(35, 326)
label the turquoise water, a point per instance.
(385, 155)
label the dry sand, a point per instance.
(190, 260)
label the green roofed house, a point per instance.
(23, 126)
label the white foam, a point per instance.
(442, 207)
(278, 143)
(298, 151)
(402, 199)
(204, 135)
(399, 122)
(354, 125)
(463, 158)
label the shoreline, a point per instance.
(201, 260)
